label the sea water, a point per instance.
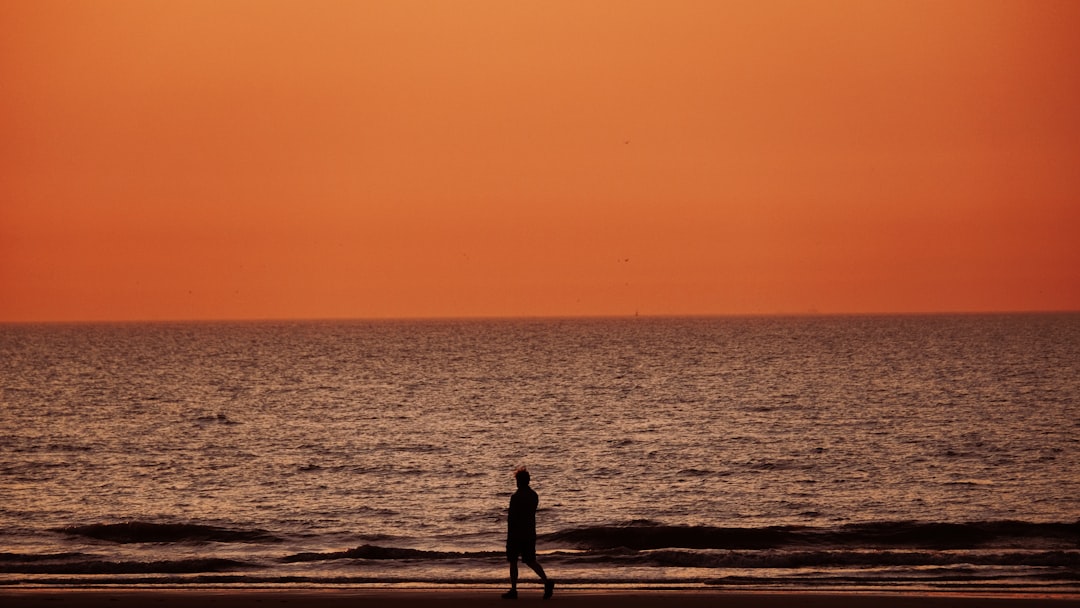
(852, 451)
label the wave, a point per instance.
(716, 558)
(98, 566)
(674, 558)
(646, 535)
(36, 557)
(635, 551)
(75, 563)
(387, 553)
(145, 532)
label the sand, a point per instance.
(449, 598)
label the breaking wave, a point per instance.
(31, 564)
(145, 532)
(713, 558)
(817, 559)
(645, 535)
(387, 553)
(642, 550)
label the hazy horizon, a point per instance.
(597, 317)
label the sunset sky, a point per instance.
(261, 159)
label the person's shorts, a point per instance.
(526, 549)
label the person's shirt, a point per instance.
(521, 521)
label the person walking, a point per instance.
(521, 534)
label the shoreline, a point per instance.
(451, 597)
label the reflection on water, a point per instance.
(403, 434)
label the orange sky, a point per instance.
(214, 159)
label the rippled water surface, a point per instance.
(328, 436)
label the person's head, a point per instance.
(522, 477)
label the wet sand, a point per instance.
(450, 598)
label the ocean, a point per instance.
(852, 452)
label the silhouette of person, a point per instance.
(521, 534)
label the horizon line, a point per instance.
(555, 317)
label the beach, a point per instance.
(449, 598)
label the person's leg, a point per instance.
(512, 594)
(537, 568)
(549, 586)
